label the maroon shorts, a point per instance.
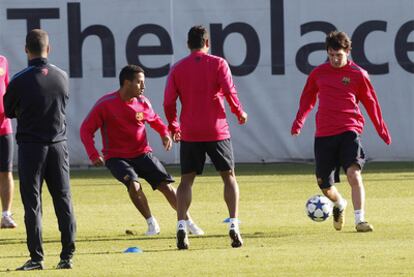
(146, 166)
(193, 155)
(6, 153)
(334, 152)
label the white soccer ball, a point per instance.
(318, 208)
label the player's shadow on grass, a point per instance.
(10, 270)
(120, 238)
(274, 234)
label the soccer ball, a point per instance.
(318, 208)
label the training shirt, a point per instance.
(122, 126)
(37, 97)
(339, 90)
(201, 82)
(5, 123)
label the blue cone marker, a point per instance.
(133, 250)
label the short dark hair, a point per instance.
(128, 73)
(338, 40)
(197, 37)
(37, 41)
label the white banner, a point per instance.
(271, 46)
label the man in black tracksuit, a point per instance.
(37, 98)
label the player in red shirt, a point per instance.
(6, 153)
(121, 117)
(202, 82)
(340, 85)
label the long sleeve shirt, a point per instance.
(5, 123)
(339, 91)
(201, 82)
(37, 97)
(122, 126)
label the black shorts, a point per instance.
(6, 153)
(145, 166)
(193, 155)
(337, 151)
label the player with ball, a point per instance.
(340, 85)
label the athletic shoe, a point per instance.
(153, 228)
(182, 239)
(364, 227)
(31, 265)
(8, 222)
(236, 240)
(65, 264)
(194, 229)
(339, 217)
(234, 233)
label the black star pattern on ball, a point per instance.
(319, 205)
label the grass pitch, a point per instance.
(279, 239)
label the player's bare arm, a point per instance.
(98, 161)
(167, 142)
(243, 118)
(176, 136)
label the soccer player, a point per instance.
(6, 153)
(121, 117)
(340, 85)
(37, 98)
(202, 82)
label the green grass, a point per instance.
(279, 239)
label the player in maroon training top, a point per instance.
(121, 117)
(6, 153)
(202, 82)
(340, 85)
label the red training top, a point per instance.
(201, 81)
(122, 125)
(339, 91)
(5, 123)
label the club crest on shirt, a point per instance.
(2, 71)
(346, 80)
(139, 116)
(45, 71)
